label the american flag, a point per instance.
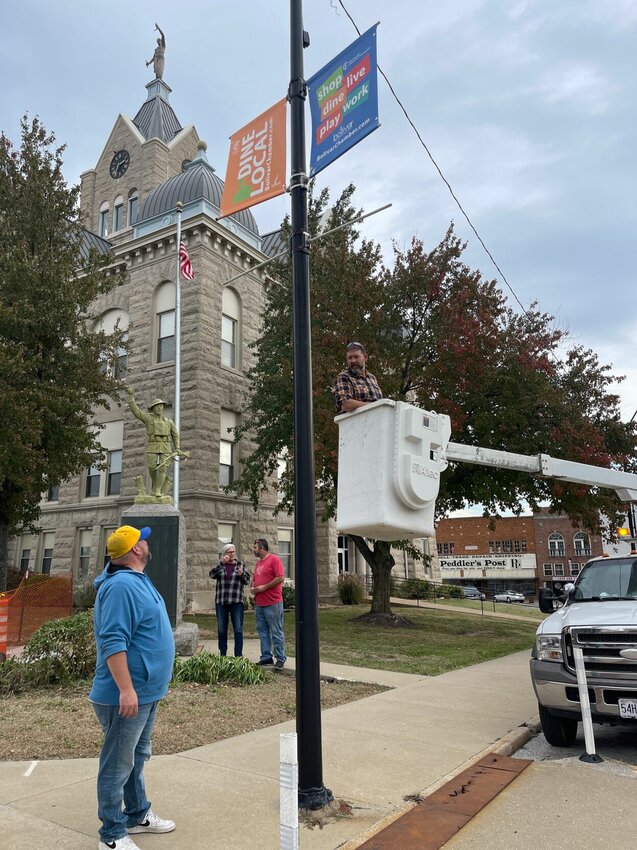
(184, 263)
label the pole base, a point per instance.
(314, 798)
(591, 758)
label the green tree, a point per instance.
(442, 337)
(50, 380)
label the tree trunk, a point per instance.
(4, 555)
(381, 562)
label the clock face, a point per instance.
(119, 164)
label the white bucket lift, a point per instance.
(390, 458)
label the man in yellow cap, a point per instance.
(135, 656)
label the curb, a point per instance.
(504, 746)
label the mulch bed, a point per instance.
(48, 724)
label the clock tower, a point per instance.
(141, 153)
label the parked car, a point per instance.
(472, 593)
(508, 596)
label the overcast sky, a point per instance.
(528, 106)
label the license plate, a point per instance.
(628, 708)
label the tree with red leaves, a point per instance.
(441, 337)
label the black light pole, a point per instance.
(312, 792)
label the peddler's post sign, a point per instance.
(344, 101)
(480, 566)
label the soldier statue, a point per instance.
(162, 446)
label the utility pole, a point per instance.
(312, 792)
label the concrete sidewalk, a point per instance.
(376, 751)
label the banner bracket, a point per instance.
(297, 88)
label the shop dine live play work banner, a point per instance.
(256, 163)
(344, 101)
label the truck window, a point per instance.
(607, 579)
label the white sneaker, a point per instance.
(125, 843)
(151, 823)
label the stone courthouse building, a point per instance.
(128, 202)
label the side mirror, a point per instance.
(547, 600)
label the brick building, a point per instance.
(562, 548)
(491, 553)
(521, 553)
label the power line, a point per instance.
(438, 169)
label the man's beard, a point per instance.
(148, 557)
(355, 370)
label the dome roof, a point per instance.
(197, 181)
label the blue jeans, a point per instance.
(120, 779)
(269, 622)
(235, 610)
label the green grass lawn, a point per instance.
(500, 607)
(441, 640)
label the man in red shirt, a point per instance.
(267, 591)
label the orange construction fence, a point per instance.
(37, 599)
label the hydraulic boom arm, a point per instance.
(624, 483)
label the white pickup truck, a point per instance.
(599, 614)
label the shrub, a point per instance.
(452, 590)
(209, 669)
(350, 590)
(59, 653)
(396, 588)
(12, 679)
(416, 588)
(289, 596)
(84, 597)
(14, 577)
(62, 651)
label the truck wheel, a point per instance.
(558, 731)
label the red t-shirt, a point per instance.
(264, 571)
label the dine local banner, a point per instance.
(344, 101)
(256, 162)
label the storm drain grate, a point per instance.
(441, 815)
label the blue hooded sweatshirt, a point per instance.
(131, 617)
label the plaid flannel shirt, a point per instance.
(229, 590)
(358, 387)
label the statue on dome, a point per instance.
(158, 60)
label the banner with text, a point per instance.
(256, 163)
(344, 101)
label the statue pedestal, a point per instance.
(167, 567)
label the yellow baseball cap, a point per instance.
(124, 538)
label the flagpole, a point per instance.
(312, 792)
(177, 410)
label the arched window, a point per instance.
(230, 316)
(109, 322)
(582, 543)
(165, 323)
(556, 545)
(132, 207)
(103, 220)
(227, 460)
(118, 214)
